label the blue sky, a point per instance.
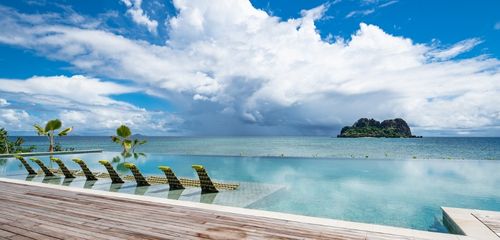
(242, 67)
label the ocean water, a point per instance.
(316, 147)
(396, 182)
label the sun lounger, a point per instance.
(67, 173)
(173, 181)
(26, 165)
(88, 174)
(205, 182)
(115, 178)
(45, 170)
(141, 181)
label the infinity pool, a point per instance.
(404, 193)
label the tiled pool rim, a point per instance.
(261, 213)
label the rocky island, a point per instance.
(364, 127)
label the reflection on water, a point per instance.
(3, 163)
(67, 181)
(52, 179)
(175, 194)
(141, 190)
(406, 193)
(89, 184)
(30, 177)
(115, 187)
(208, 197)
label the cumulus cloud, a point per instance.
(14, 118)
(139, 16)
(77, 88)
(231, 68)
(77, 100)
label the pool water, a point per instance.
(405, 193)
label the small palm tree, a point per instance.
(123, 138)
(3, 137)
(49, 131)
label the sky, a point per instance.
(250, 67)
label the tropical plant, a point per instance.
(49, 131)
(3, 138)
(123, 137)
(7, 146)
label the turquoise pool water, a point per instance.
(403, 192)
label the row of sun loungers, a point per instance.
(206, 184)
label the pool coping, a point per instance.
(411, 233)
(463, 221)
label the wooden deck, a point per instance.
(475, 223)
(490, 219)
(42, 211)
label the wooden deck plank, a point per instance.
(34, 212)
(472, 222)
(490, 219)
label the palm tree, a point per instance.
(123, 138)
(3, 137)
(49, 131)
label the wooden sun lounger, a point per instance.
(115, 178)
(139, 178)
(88, 174)
(45, 170)
(173, 181)
(26, 165)
(206, 183)
(67, 173)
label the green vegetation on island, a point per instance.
(364, 127)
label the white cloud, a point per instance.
(456, 49)
(77, 88)
(139, 16)
(14, 119)
(372, 9)
(360, 13)
(78, 101)
(233, 69)
(4, 102)
(497, 26)
(389, 3)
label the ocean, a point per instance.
(315, 147)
